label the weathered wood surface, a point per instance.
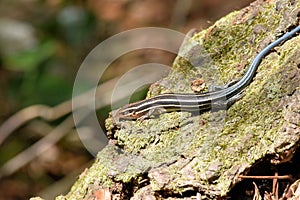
(179, 154)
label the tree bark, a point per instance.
(182, 155)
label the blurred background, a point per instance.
(42, 44)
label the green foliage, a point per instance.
(26, 61)
(37, 83)
(44, 73)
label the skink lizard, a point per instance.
(197, 102)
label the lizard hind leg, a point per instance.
(213, 88)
